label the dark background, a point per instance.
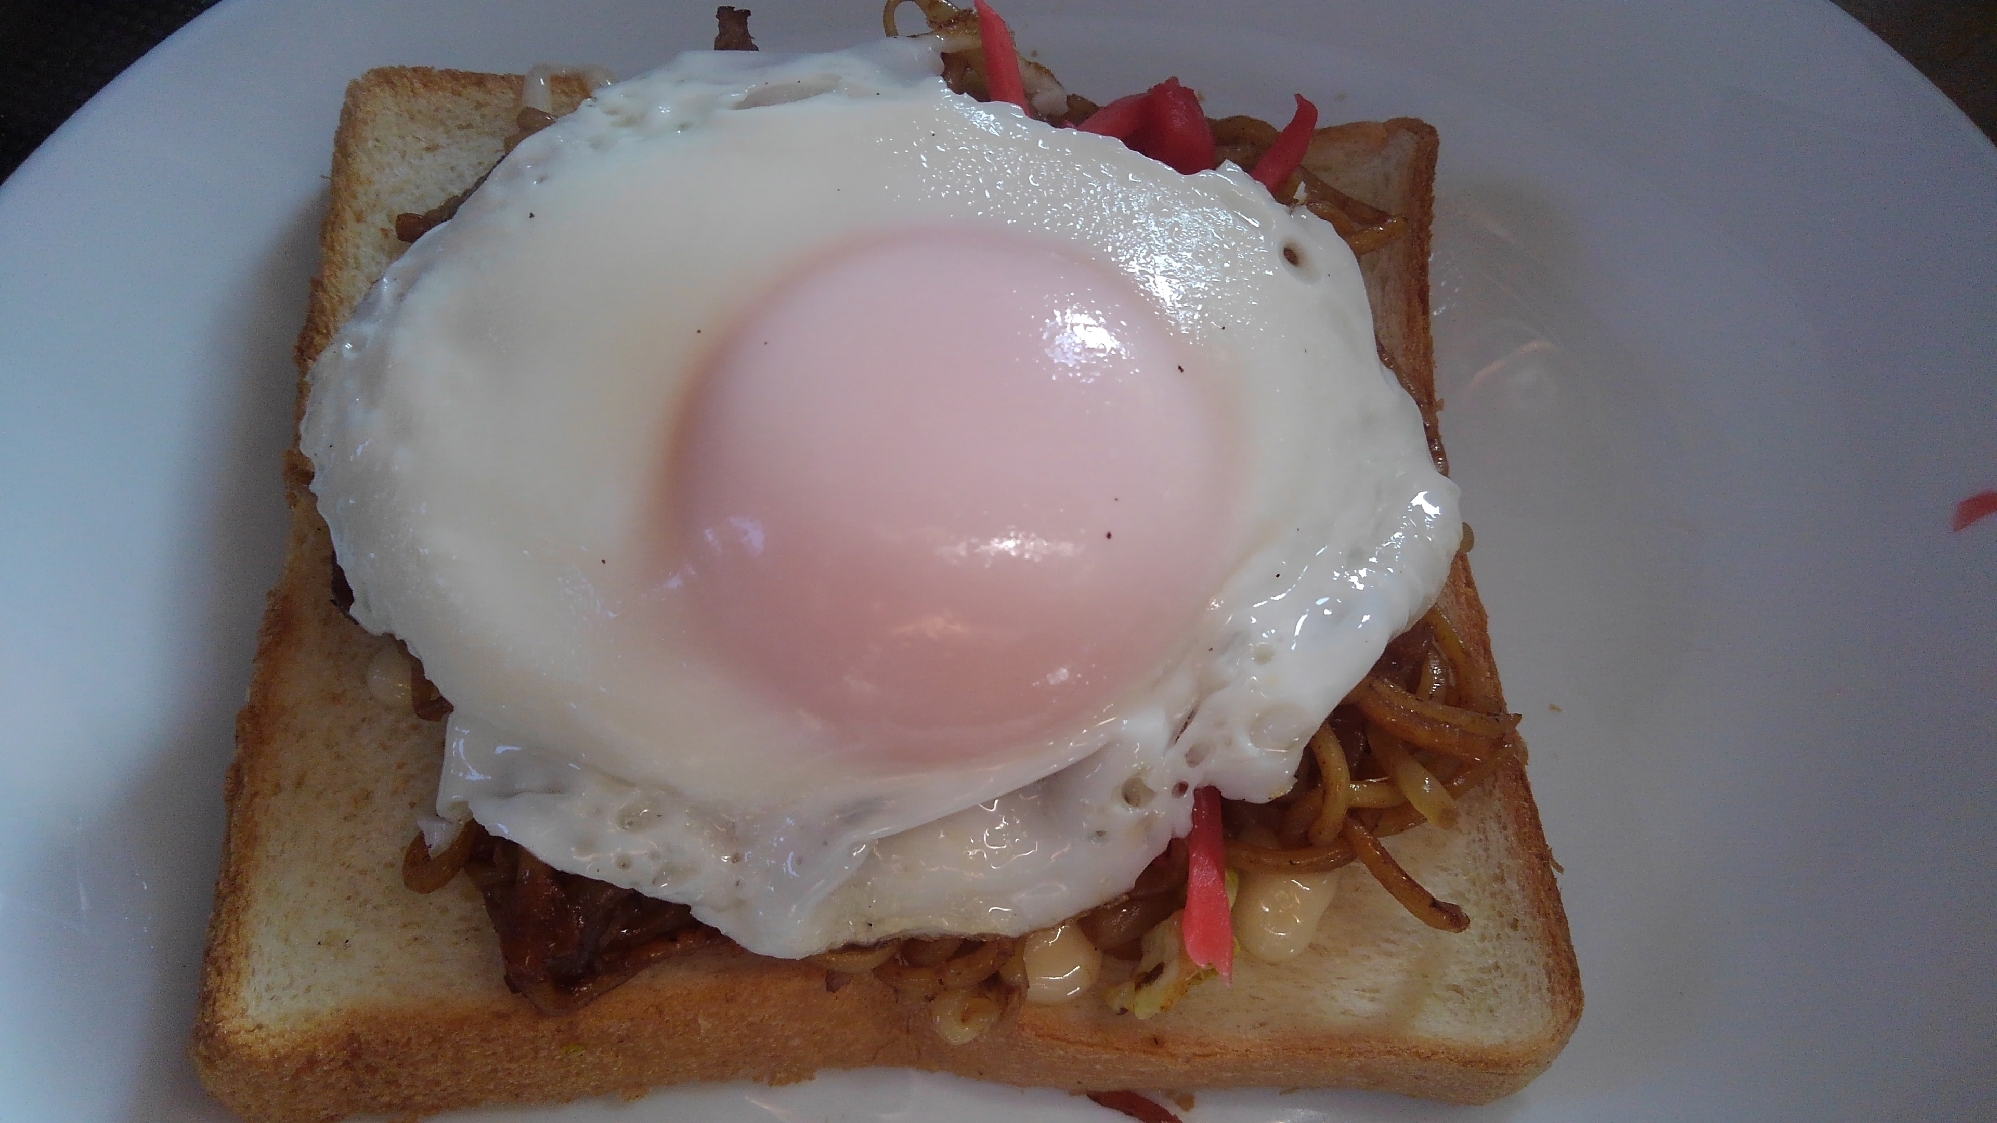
(54, 54)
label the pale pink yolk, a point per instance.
(950, 488)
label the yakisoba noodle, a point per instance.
(1421, 729)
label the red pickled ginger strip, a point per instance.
(1002, 77)
(1119, 118)
(1164, 122)
(1979, 506)
(1208, 929)
(1176, 131)
(1137, 1107)
(1286, 155)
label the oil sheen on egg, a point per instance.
(855, 510)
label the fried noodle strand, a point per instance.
(1417, 900)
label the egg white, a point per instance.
(483, 430)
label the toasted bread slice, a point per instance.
(329, 989)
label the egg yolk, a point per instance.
(947, 488)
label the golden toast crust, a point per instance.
(328, 989)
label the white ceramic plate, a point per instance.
(1716, 305)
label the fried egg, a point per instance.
(855, 510)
